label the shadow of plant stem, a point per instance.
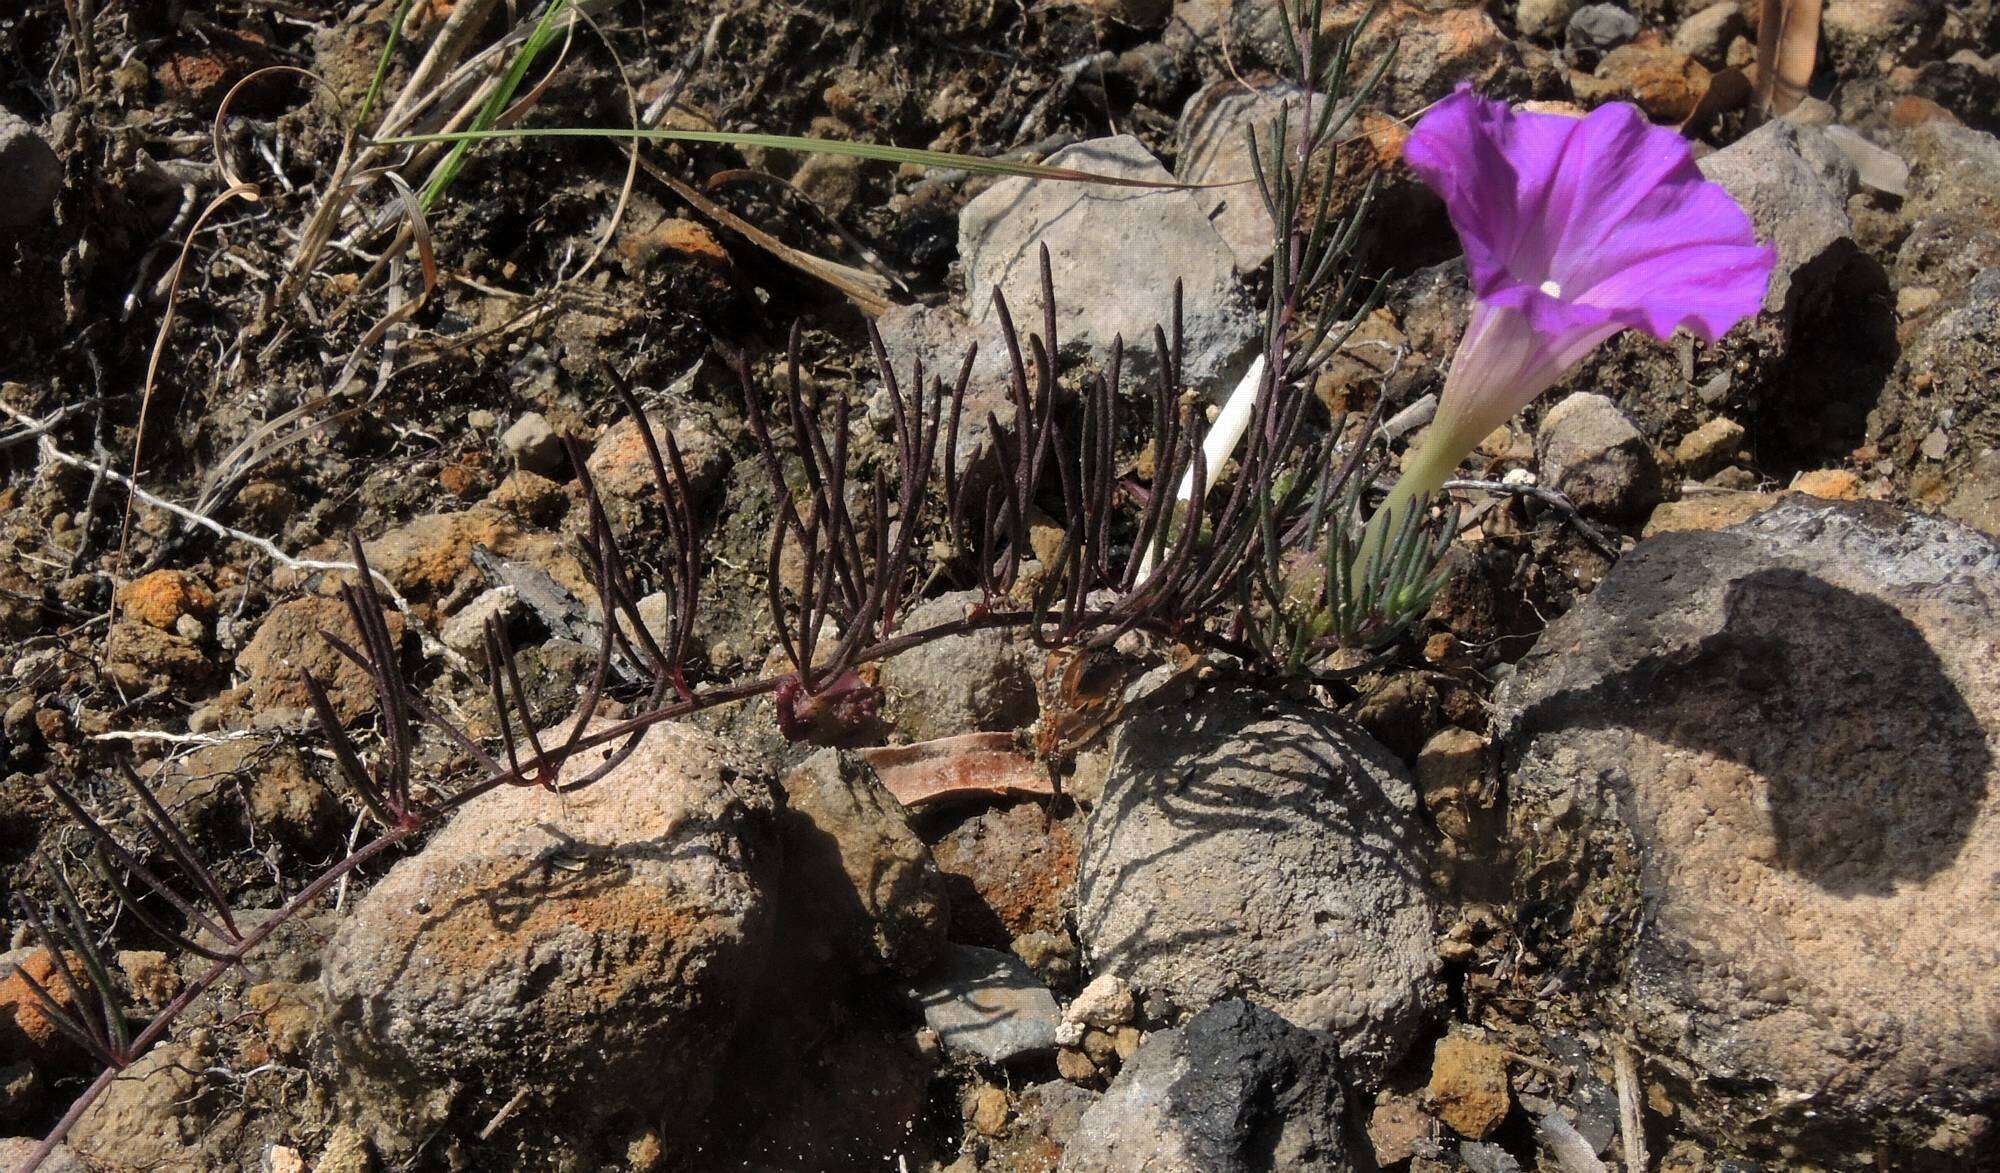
(1257, 573)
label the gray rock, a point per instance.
(1795, 184)
(1247, 846)
(1709, 447)
(940, 337)
(1876, 168)
(1867, 38)
(1706, 35)
(1975, 499)
(533, 444)
(1953, 208)
(612, 933)
(1543, 19)
(1482, 1157)
(1213, 146)
(984, 1004)
(1115, 253)
(1106, 1003)
(1763, 759)
(1940, 402)
(465, 631)
(964, 684)
(1235, 1090)
(141, 1122)
(1595, 30)
(1590, 452)
(30, 174)
(1208, 24)
(855, 873)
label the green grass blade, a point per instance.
(540, 39)
(976, 164)
(382, 65)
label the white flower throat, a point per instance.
(1552, 288)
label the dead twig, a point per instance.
(263, 545)
(1561, 504)
(1631, 1126)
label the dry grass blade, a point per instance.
(943, 160)
(1787, 47)
(236, 189)
(416, 229)
(967, 767)
(868, 291)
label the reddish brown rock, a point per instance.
(1653, 75)
(1469, 1086)
(26, 1031)
(613, 933)
(623, 470)
(426, 557)
(288, 642)
(1012, 871)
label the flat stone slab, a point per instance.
(985, 1004)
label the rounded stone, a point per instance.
(591, 950)
(1255, 847)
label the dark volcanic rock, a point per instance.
(1236, 1090)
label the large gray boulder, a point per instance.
(1248, 846)
(1753, 787)
(1115, 254)
(1236, 1090)
(592, 949)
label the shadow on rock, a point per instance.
(1873, 761)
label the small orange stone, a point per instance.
(159, 599)
(1836, 484)
(26, 1031)
(1911, 110)
(692, 241)
(1469, 1085)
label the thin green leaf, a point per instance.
(822, 146)
(382, 65)
(540, 39)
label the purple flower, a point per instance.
(1574, 229)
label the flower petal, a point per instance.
(1609, 209)
(1706, 288)
(1473, 152)
(1515, 347)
